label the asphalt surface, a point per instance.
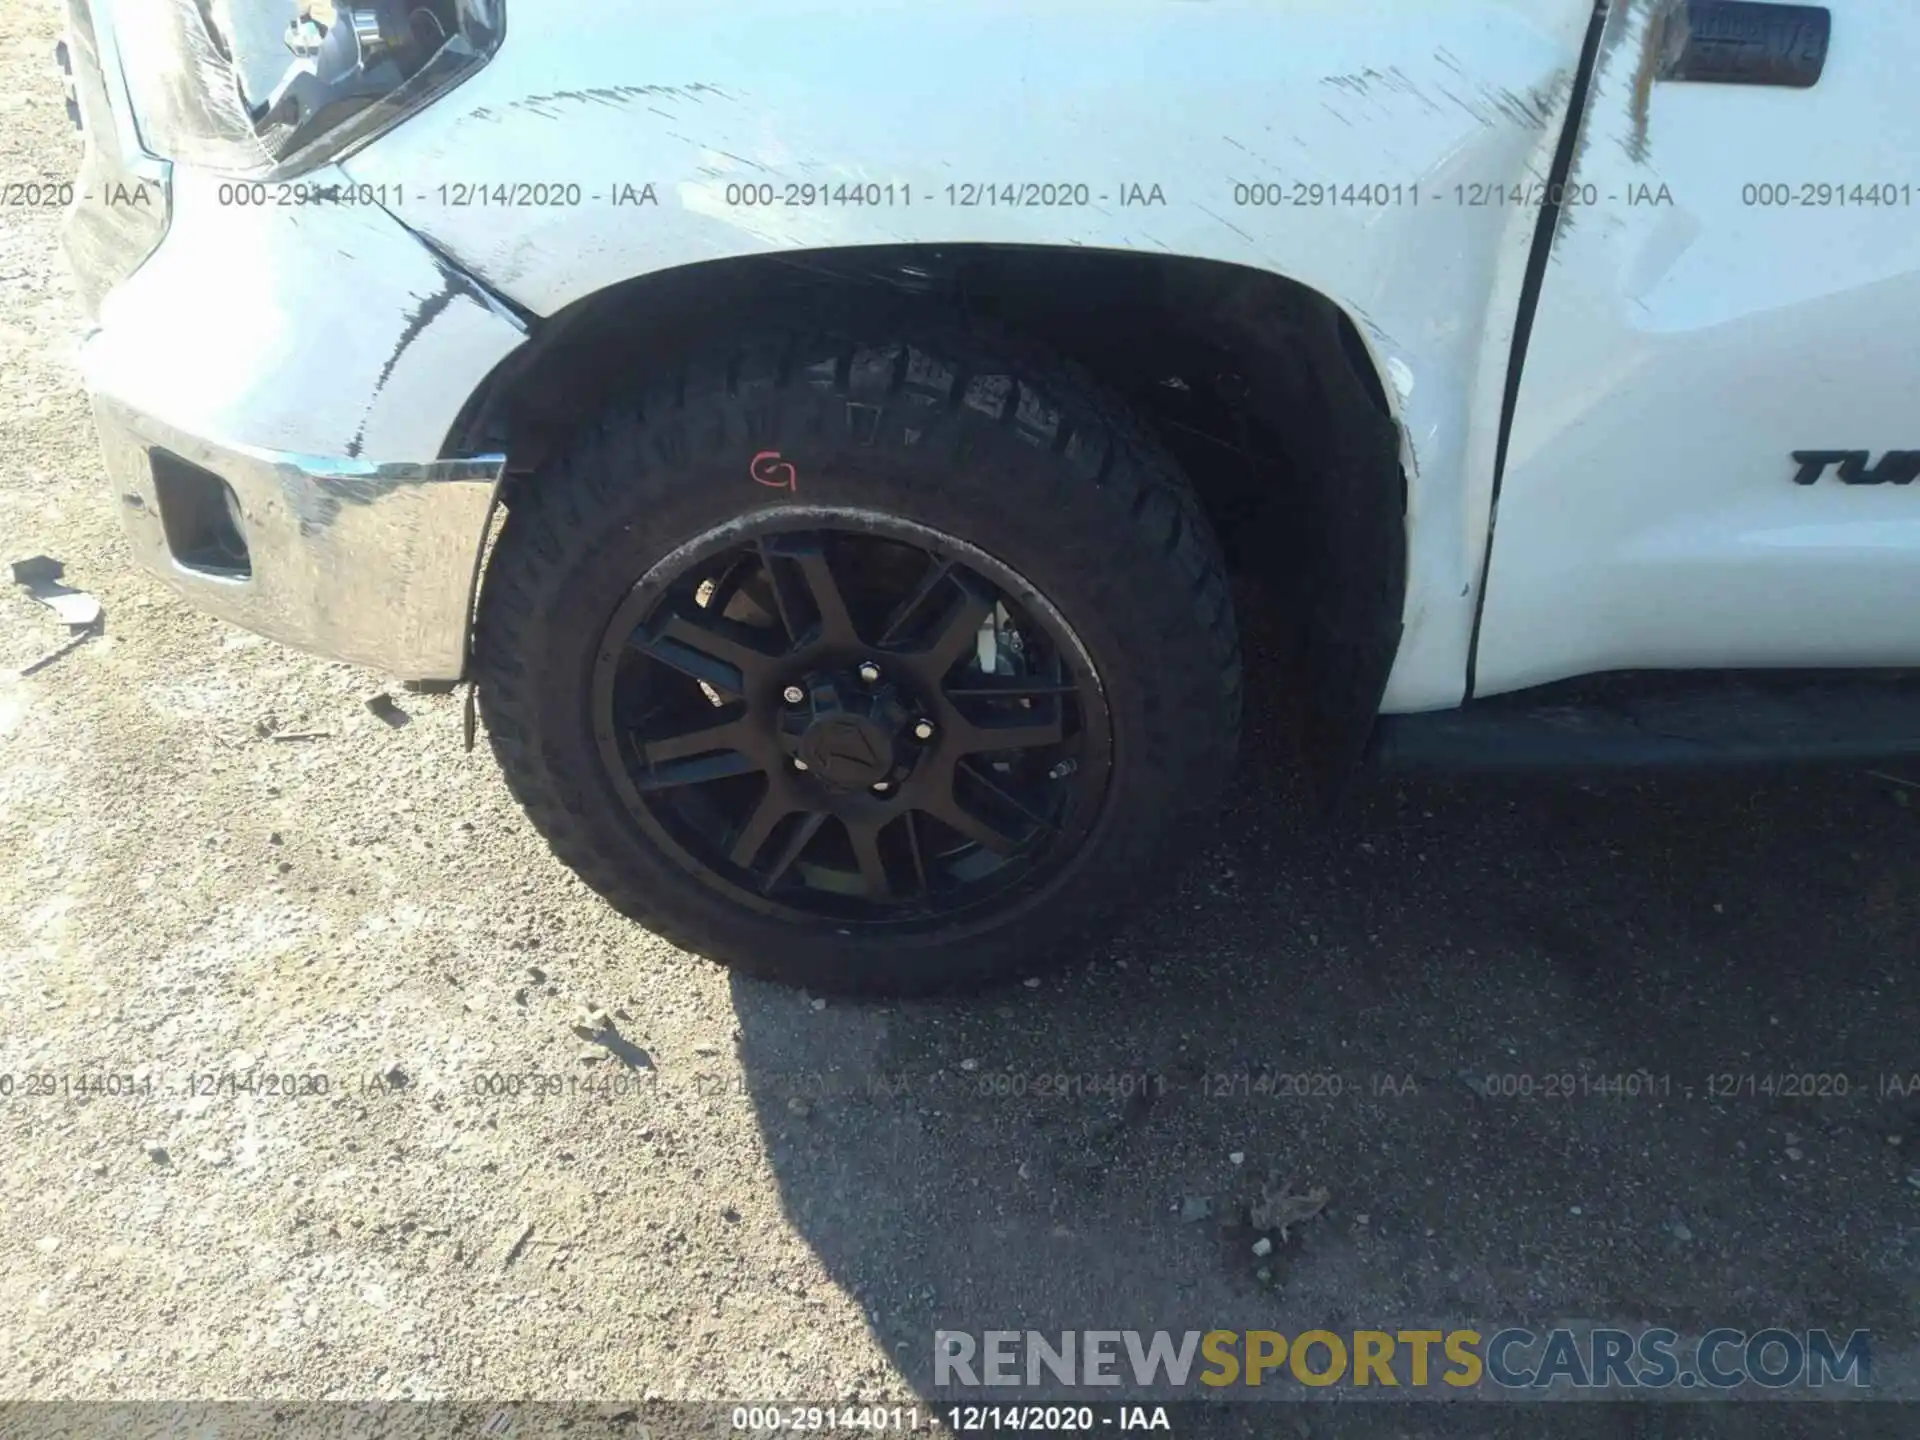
(1526, 1037)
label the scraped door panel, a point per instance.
(1738, 281)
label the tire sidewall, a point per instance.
(983, 484)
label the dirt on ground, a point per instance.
(323, 1079)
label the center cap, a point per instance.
(847, 750)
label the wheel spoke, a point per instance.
(1025, 732)
(937, 572)
(696, 771)
(947, 809)
(957, 631)
(779, 593)
(1008, 687)
(913, 848)
(803, 582)
(1006, 797)
(873, 866)
(734, 735)
(752, 837)
(808, 827)
(706, 647)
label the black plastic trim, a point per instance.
(1735, 42)
(1543, 234)
(1664, 720)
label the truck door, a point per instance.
(1713, 450)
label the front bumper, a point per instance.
(369, 563)
(304, 360)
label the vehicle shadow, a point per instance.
(1555, 1051)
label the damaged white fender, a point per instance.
(311, 359)
(1345, 144)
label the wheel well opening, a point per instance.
(1261, 387)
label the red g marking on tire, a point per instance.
(767, 468)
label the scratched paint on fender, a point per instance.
(1191, 98)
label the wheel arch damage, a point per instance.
(1265, 390)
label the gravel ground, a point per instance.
(743, 1193)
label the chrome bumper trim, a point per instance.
(374, 564)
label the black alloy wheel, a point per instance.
(883, 667)
(861, 721)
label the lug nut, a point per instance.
(923, 730)
(869, 671)
(798, 763)
(793, 694)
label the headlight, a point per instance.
(220, 85)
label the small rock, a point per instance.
(1195, 1208)
(969, 1064)
(274, 838)
(731, 1215)
(98, 1167)
(515, 1250)
(382, 706)
(1279, 1207)
(1681, 1232)
(1362, 1220)
(1238, 1157)
(536, 974)
(1795, 1153)
(158, 1154)
(797, 1106)
(1573, 1210)
(48, 1244)
(1032, 982)
(819, 1004)
(1913, 1178)
(1263, 1275)
(1263, 1247)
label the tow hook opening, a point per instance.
(201, 517)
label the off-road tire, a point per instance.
(1018, 455)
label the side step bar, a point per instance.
(1650, 721)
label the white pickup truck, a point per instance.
(878, 397)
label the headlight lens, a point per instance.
(221, 86)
